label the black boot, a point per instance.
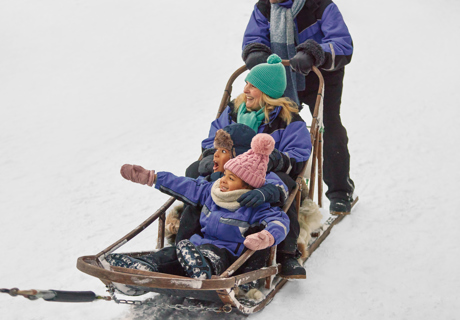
(290, 267)
(340, 206)
(125, 261)
(193, 262)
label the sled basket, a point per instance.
(222, 288)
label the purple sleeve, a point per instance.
(275, 220)
(192, 191)
(337, 42)
(296, 141)
(273, 178)
(257, 30)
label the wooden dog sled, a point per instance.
(222, 288)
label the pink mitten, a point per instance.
(259, 240)
(138, 174)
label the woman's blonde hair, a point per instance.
(288, 107)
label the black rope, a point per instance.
(56, 295)
(12, 292)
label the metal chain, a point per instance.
(225, 308)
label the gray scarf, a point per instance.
(283, 37)
(226, 200)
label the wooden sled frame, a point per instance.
(219, 288)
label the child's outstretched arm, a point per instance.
(138, 174)
(192, 191)
(185, 189)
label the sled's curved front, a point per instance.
(216, 289)
(139, 278)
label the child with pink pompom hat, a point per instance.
(227, 228)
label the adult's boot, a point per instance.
(290, 267)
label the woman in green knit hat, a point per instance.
(262, 107)
(264, 88)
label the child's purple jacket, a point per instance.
(221, 227)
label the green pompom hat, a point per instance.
(270, 77)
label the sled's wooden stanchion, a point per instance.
(228, 90)
(316, 137)
(271, 262)
(313, 171)
(238, 263)
(298, 199)
(320, 169)
(138, 229)
(161, 231)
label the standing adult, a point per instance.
(309, 33)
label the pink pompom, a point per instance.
(263, 143)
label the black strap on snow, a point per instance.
(72, 296)
(55, 295)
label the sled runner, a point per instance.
(223, 288)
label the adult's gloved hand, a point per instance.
(254, 198)
(255, 53)
(308, 54)
(205, 166)
(138, 174)
(259, 240)
(278, 161)
(207, 162)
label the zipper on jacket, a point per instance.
(237, 248)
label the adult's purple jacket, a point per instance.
(221, 227)
(319, 20)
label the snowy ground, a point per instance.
(86, 86)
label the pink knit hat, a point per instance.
(251, 166)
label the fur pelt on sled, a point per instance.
(253, 294)
(309, 220)
(172, 223)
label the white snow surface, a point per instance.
(86, 86)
